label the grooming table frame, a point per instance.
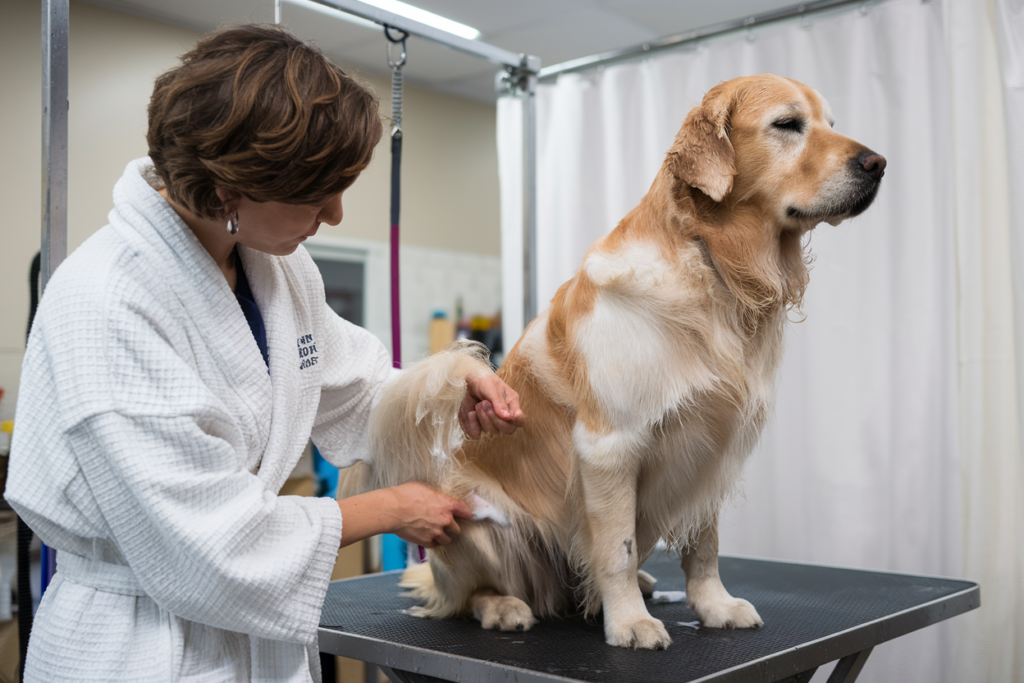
(813, 615)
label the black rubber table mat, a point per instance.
(812, 615)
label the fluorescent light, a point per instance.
(335, 13)
(425, 17)
(395, 7)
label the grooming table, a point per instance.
(812, 615)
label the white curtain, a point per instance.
(894, 444)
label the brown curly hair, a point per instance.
(256, 111)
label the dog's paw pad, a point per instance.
(505, 613)
(729, 613)
(642, 633)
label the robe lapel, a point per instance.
(288, 304)
(227, 343)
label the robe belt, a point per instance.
(103, 576)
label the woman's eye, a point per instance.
(795, 125)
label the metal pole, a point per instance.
(680, 39)
(529, 95)
(54, 242)
(412, 27)
(55, 137)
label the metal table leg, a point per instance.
(801, 677)
(849, 667)
(399, 676)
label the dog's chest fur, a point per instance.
(664, 338)
(676, 375)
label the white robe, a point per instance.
(150, 445)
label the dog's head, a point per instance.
(769, 140)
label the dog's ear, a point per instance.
(702, 155)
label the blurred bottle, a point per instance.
(442, 332)
(462, 325)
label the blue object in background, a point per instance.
(394, 552)
(48, 567)
(326, 475)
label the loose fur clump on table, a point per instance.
(646, 384)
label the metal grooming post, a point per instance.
(528, 93)
(55, 166)
(55, 137)
(53, 243)
(523, 70)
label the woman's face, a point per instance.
(279, 229)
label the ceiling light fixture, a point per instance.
(425, 17)
(395, 7)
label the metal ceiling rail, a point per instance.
(685, 37)
(474, 47)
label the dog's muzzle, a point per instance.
(859, 187)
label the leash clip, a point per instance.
(392, 62)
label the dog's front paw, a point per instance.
(505, 613)
(641, 633)
(728, 612)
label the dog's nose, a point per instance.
(874, 164)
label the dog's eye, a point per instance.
(795, 125)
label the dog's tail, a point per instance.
(419, 579)
(414, 428)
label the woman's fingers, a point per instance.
(426, 516)
(460, 510)
(487, 386)
(470, 423)
(485, 415)
(468, 417)
(490, 422)
(503, 398)
(506, 403)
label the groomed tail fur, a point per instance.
(419, 579)
(414, 429)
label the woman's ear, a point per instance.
(702, 155)
(229, 200)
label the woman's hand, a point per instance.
(490, 406)
(414, 511)
(424, 516)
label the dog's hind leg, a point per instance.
(501, 612)
(704, 590)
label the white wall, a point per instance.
(431, 280)
(450, 192)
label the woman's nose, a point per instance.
(332, 212)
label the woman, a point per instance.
(179, 362)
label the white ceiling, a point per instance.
(554, 30)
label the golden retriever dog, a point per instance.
(645, 385)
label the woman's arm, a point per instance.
(414, 511)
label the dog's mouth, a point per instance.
(850, 206)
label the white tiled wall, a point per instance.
(431, 280)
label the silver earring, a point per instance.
(233, 224)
